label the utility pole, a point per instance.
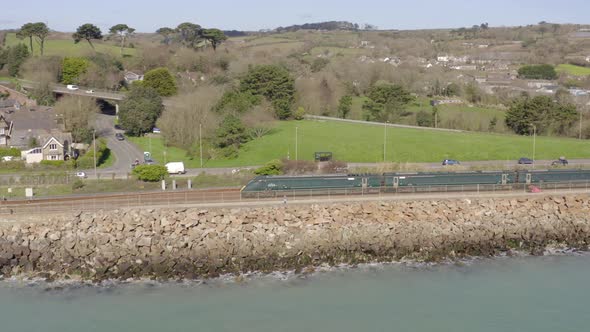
(296, 143)
(580, 123)
(384, 139)
(94, 143)
(201, 145)
(534, 143)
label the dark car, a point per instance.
(450, 162)
(119, 136)
(559, 162)
(525, 161)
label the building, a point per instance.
(5, 131)
(55, 147)
(131, 77)
(10, 105)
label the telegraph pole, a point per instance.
(296, 148)
(94, 143)
(201, 145)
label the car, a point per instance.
(559, 162)
(135, 163)
(525, 161)
(72, 87)
(7, 158)
(90, 91)
(450, 162)
(119, 137)
(149, 161)
(156, 130)
(81, 175)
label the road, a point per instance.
(124, 151)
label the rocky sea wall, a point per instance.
(197, 243)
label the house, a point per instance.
(579, 92)
(30, 124)
(5, 131)
(464, 67)
(436, 102)
(10, 104)
(131, 77)
(539, 84)
(56, 146)
(548, 89)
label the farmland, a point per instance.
(67, 47)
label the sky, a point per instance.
(252, 15)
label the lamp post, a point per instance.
(94, 144)
(534, 142)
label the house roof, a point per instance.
(9, 103)
(57, 137)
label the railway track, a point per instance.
(71, 204)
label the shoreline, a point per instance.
(188, 243)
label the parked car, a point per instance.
(135, 163)
(525, 161)
(72, 87)
(81, 175)
(156, 130)
(90, 91)
(7, 158)
(119, 137)
(560, 162)
(450, 162)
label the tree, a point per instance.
(87, 32)
(473, 93)
(231, 132)
(160, 80)
(424, 119)
(72, 69)
(547, 115)
(140, 110)
(275, 84)
(181, 120)
(15, 57)
(123, 31)
(77, 115)
(537, 72)
(273, 167)
(41, 31)
(386, 102)
(452, 89)
(27, 31)
(189, 34)
(345, 106)
(214, 36)
(166, 33)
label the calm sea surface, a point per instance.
(505, 294)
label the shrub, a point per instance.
(52, 163)
(150, 173)
(14, 152)
(299, 113)
(298, 167)
(77, 184)
(273, 167)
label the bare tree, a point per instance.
(180, 122)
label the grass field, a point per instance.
(364, 143)
(573, 70)
(67, 47)
(461, 116)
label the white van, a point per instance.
(175, 167)
(72, 87)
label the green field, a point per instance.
(364, 143)
(573, 70)
(461, 116)
(67, 47)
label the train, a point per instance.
(273, 185)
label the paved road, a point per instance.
(124, 151)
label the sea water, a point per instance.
(550, 293)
